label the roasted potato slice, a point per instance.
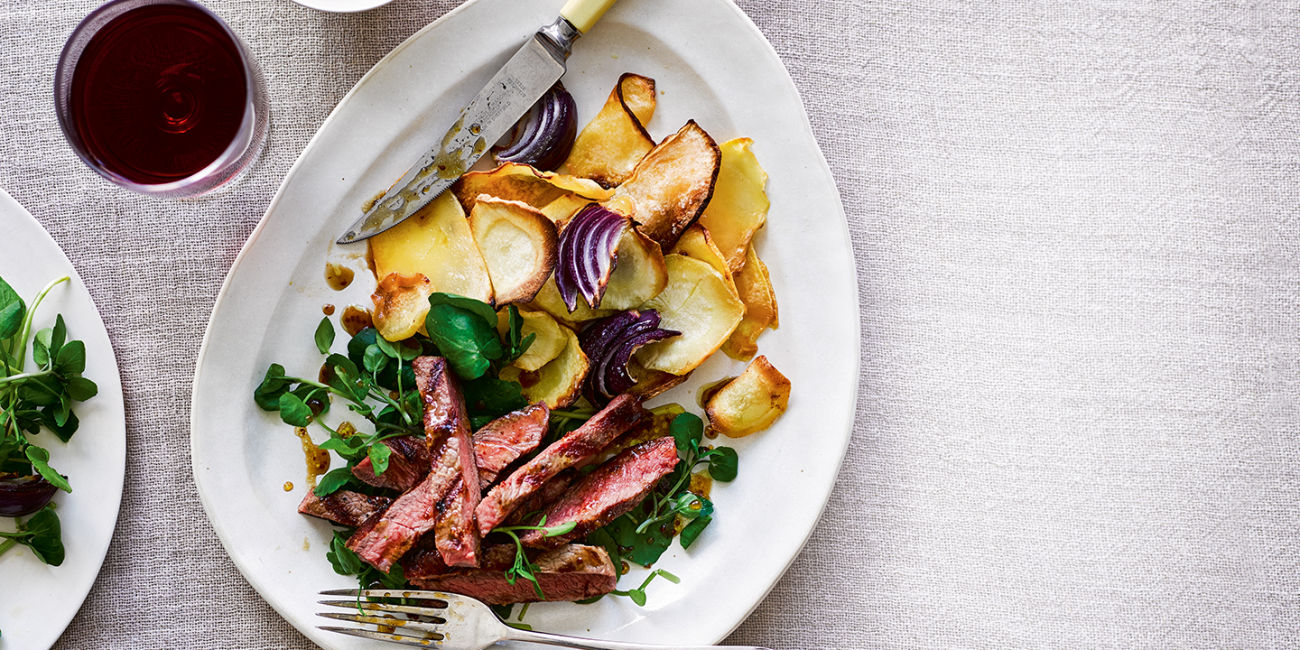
(559, 382)
(697, 303)
(549, 301)
(437, 243)
(518, 244)
(754, 286)
(739, 204)
(401, 302)
(639, 273)
(520, 182)
(671, 185)
(548, 340)
(749, 403)
(610, 145)
(696, 242)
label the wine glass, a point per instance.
(160, 97)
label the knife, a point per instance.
(502, 102)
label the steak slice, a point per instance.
(446, 422)
(575, 448)
(407, 464)
(503, 440)
(343, 507)
(384, 539)
(571, 572)
(496, 445)
(613, 489)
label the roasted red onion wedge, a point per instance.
(543, 136)
(609, 343)
(586, 257)
(22, 495)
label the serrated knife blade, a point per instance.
(502, 102)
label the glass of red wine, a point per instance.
(160, 97)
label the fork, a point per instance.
(453, 622)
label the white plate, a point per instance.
(711, 64)
(37, 600)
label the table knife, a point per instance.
(502, 102)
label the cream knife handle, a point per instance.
(583, 14)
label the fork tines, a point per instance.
(396, 622)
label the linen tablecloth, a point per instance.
(1076, 229)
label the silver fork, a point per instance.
(453, 622)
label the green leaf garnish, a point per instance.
(324, 335)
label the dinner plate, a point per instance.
(38, 601)
(712, 65)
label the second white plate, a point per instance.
(43, 599)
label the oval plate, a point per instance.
(94, 461)
(711, 64)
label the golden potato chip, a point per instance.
(559, 382)
(435, 242)
(739, 204)
(610, 145)
(696, 242)
(749, 403)
(401, 302)
(697, 303)
(671, 185)
(518, 244)
(754, 287)
(520, 182)
(548, 338)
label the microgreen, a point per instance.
(523, 567)
(41, 533)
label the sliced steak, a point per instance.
(613, 489)
(503, 440)
(446, 422)
(384, 539)
(550, 492)
(343, 507)
(407, 464)
(575, 448)
(571, 572)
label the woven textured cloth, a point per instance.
(1076, 230)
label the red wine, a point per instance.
(158, 93)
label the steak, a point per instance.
(614, 488)
(343, 507)
(503, 440)
(496, 445)
(446, 422)
(550, 492)
(575, 448)
(572, 572)
(384, 539)
(408, 462)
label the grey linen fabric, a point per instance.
(1076, 230)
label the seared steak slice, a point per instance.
(575, 448)
(447, 423)
(549, 493)
(571, 572)
(613, 489)
(343, 507)
(407, 464)
(503, 440)
(384, 539)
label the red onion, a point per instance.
(22, 495)
(586, 254)
(544, 135)
(609, 344)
